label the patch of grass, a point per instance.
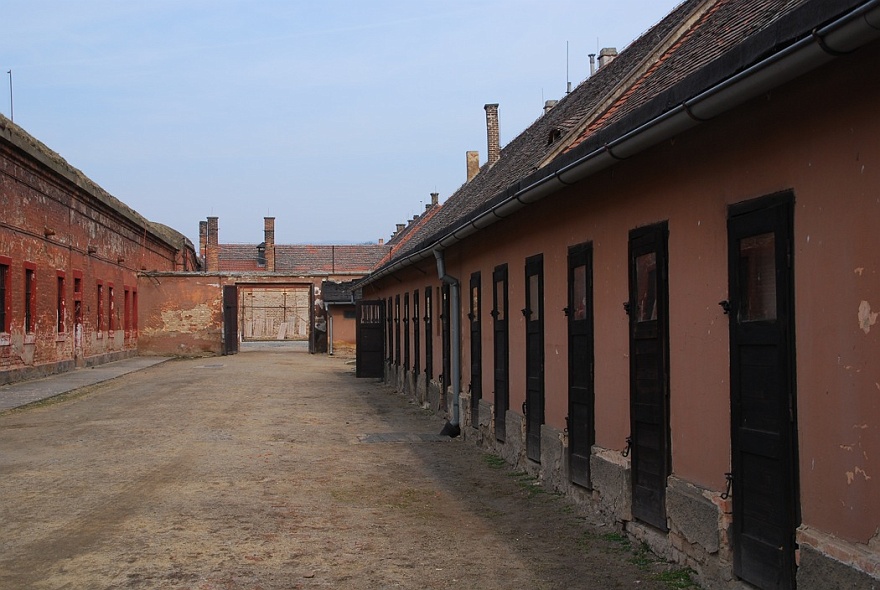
(494, 461)
(642, 557)
(618, 543)
(677, 578)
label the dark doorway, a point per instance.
(230, 319)
(429, 337)
(766, 509)
(533, 408)
(370, 338)
(416, 343)
(581, 422)
(476, 349)
(406, 341)
(500, 345)
(389, 331)
(649, 373)
(445, 378)
(397, 342)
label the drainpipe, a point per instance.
(453, 427)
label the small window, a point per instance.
(111, 301)
(60, 307)
(30, 299)
(4, 298)
(757, 256)
(99, 323)
(579, 293)
(554, 136)
(368, 319)
(646, 287)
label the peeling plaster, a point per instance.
(860, 270)
(866, 317)
(851, 475)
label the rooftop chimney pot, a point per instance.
(473, 164)
(606, 56)
(492, 132)
(212, 260)
(269, 239)
(548, 105)
(435, 199)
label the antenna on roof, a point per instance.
(11, 109)
(567, 78)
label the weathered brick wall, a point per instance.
(180, 314)
(74, 238)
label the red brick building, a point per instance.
(252, 292)
(70, 254)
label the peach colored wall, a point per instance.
(343, 329)
(825, 150)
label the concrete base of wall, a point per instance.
(818, 571)
(39, 371)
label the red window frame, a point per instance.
(30, 297)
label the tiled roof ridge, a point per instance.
(523, 155)
(643, 68)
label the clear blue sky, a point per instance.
(337, 117)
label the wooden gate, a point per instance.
(370, 338)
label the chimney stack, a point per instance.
(400, 228)
(548, 105)
(592, 63)
(606, 56)
(473, 164)
(269, 239)
(212, 260)
(203, 239)
(435, 199)
(492, 133)
(381, 242)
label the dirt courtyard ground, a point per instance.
(279, 470)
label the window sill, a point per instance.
(61, 337)
(5, 339)
(30, 338)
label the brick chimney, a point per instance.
(212, 259)
(269, 240)
(473, 164)
(549, 104)
(492, 133)
(435, 200)
(203, 238)
(606, 56)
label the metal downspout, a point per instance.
(453, 427)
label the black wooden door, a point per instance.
(476, 349)
(500, 349)
(406, 341)
(649, 373)
(446, 377)
(763, 410)
(429, 336)
(416, 338)
(389, 331)
(534, 314)
(370, 338)
(230, 319)
(581, 422)
(397, 342)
